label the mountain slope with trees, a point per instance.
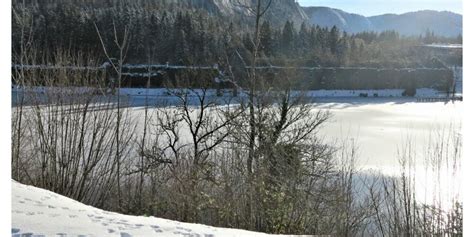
(167, 32)
(442, 23)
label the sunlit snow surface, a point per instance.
(38, 212)
(445, 46)
(381, 130)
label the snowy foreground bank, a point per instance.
(38, 212)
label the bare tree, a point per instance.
(191, 132)
(26, 55)
(70, 130)
(396, 200)
(258, 10)
(122, 47)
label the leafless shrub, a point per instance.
(397, 202)
(71, 132)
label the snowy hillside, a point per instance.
(411, 24)
(38, 212)
(329, 17)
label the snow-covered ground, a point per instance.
(139, 97)
(445, 46)
(153, 92)
(422, 92)
(380, 130)
(37, 212)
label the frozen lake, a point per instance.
(381, 129)
(379, 126)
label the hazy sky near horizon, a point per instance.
(378, 7)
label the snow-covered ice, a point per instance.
(445, 46)
(421, 92)
(380, 130)
(38, 212)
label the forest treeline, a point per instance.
(164, 32)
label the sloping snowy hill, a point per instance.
(38, 212)
(442, 23)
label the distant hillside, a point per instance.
(442, 23)
(413, 23)
(325, 16)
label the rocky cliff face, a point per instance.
(283, 10)
(329, 17)
(280, 11)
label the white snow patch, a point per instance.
(38, 212)
(422, 92)
(446, 46)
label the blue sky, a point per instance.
(377, 7)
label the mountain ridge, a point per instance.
(443, 23)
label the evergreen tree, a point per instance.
(266, 41)
(304, 39)
(287, 38)
(333, 39)
(459, 39)
(248, 43)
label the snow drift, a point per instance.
(38, 212)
